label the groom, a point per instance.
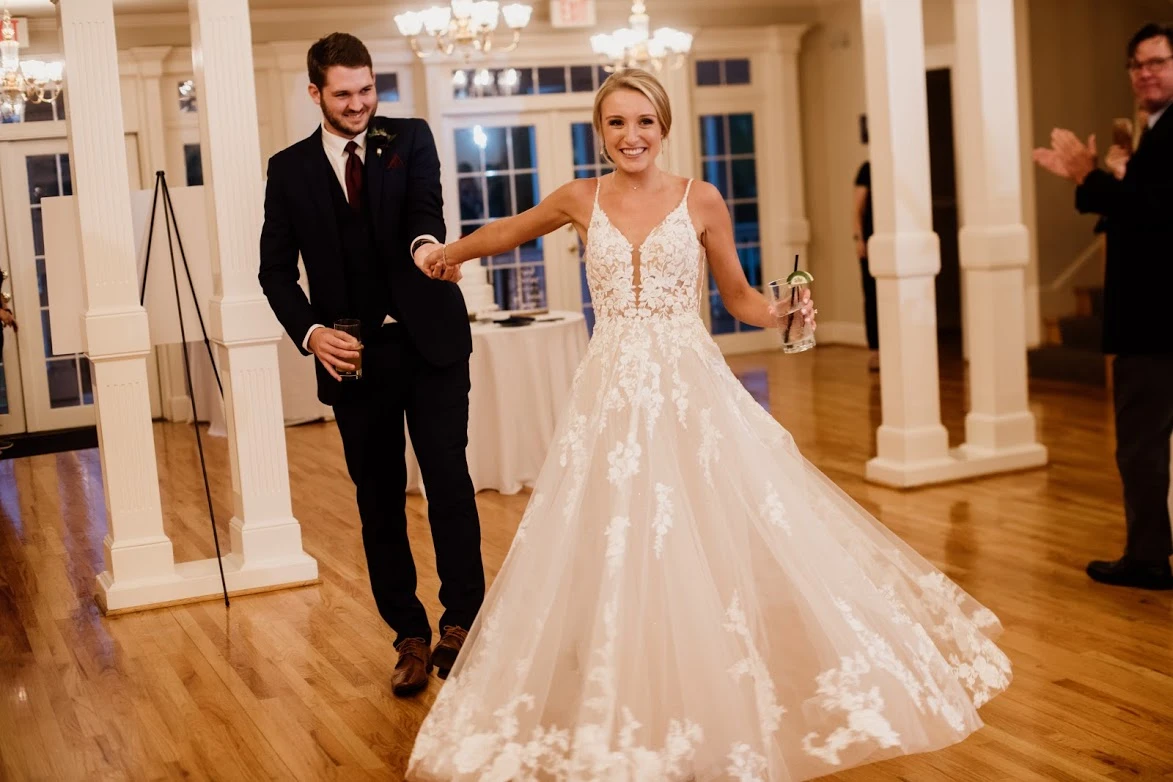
(356, 199)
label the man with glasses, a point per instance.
(1138, 295)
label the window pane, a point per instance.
(524, 143)
(582, 78)
(42, 282)
(717, 174)
(38, 232)
(46, 333)
(744, 179)
(745, 224)
(737, 71)
(531, 251)
(712, 135)
(193, 165)
(468, 154)
(708, 73)
(751, 263)
(387, 86)
(187, 97)
(582, 137)
(496, 153)
(42, 173)
(526, 188)
(472, 199)
(87, 385)
(722, 321)
(63, 386)
(500, 199)
(741, 134)
(505, 286)
(551, 80)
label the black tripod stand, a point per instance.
(169, 220)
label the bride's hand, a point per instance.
(778, 309)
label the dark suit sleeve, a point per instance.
(279, 273)
(425, 202)
(1146, 199)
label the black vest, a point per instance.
(368, 293)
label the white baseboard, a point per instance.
(842, 333)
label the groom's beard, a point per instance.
(348, 123)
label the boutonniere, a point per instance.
(380, 138)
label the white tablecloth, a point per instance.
(520, 383)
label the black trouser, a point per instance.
(397, 381)
(870, 313)
(1143, 391)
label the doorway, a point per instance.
(946, 220)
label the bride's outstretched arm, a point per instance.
(553, 212)
(743, 301)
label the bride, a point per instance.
(687, 598)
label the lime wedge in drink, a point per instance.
(800, 277)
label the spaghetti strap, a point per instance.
(686, 189)
(598, 186)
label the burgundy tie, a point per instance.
(353, 176)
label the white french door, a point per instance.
(42, 389)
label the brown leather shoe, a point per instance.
(446, 652)
(411, 672)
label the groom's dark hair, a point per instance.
(335, 49)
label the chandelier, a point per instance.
(30, 81)
(463, 26)
(633, 47)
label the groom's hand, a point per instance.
(335, 349)
(429, 258)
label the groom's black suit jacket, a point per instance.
(402, 194)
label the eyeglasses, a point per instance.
(1151, 65)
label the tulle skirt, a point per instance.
(687, 598)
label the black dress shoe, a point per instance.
(1132, 573)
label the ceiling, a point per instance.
(606, 8)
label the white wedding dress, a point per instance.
(687, 598)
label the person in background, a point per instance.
(863, 231)
(1137, 207)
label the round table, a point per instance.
(521, 380)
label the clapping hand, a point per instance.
(1117, 160)
(1068, 157)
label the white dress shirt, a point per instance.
(1156, 115)
(335, 147)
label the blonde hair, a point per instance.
(642, 82)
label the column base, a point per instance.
(999, 433)
(200, 580)
(960, 464)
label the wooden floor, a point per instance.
(294, 684)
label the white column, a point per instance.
(780, 137)
(994, 243)
(138, 553)
(266, 538)
(153, 149)
(904, 253)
